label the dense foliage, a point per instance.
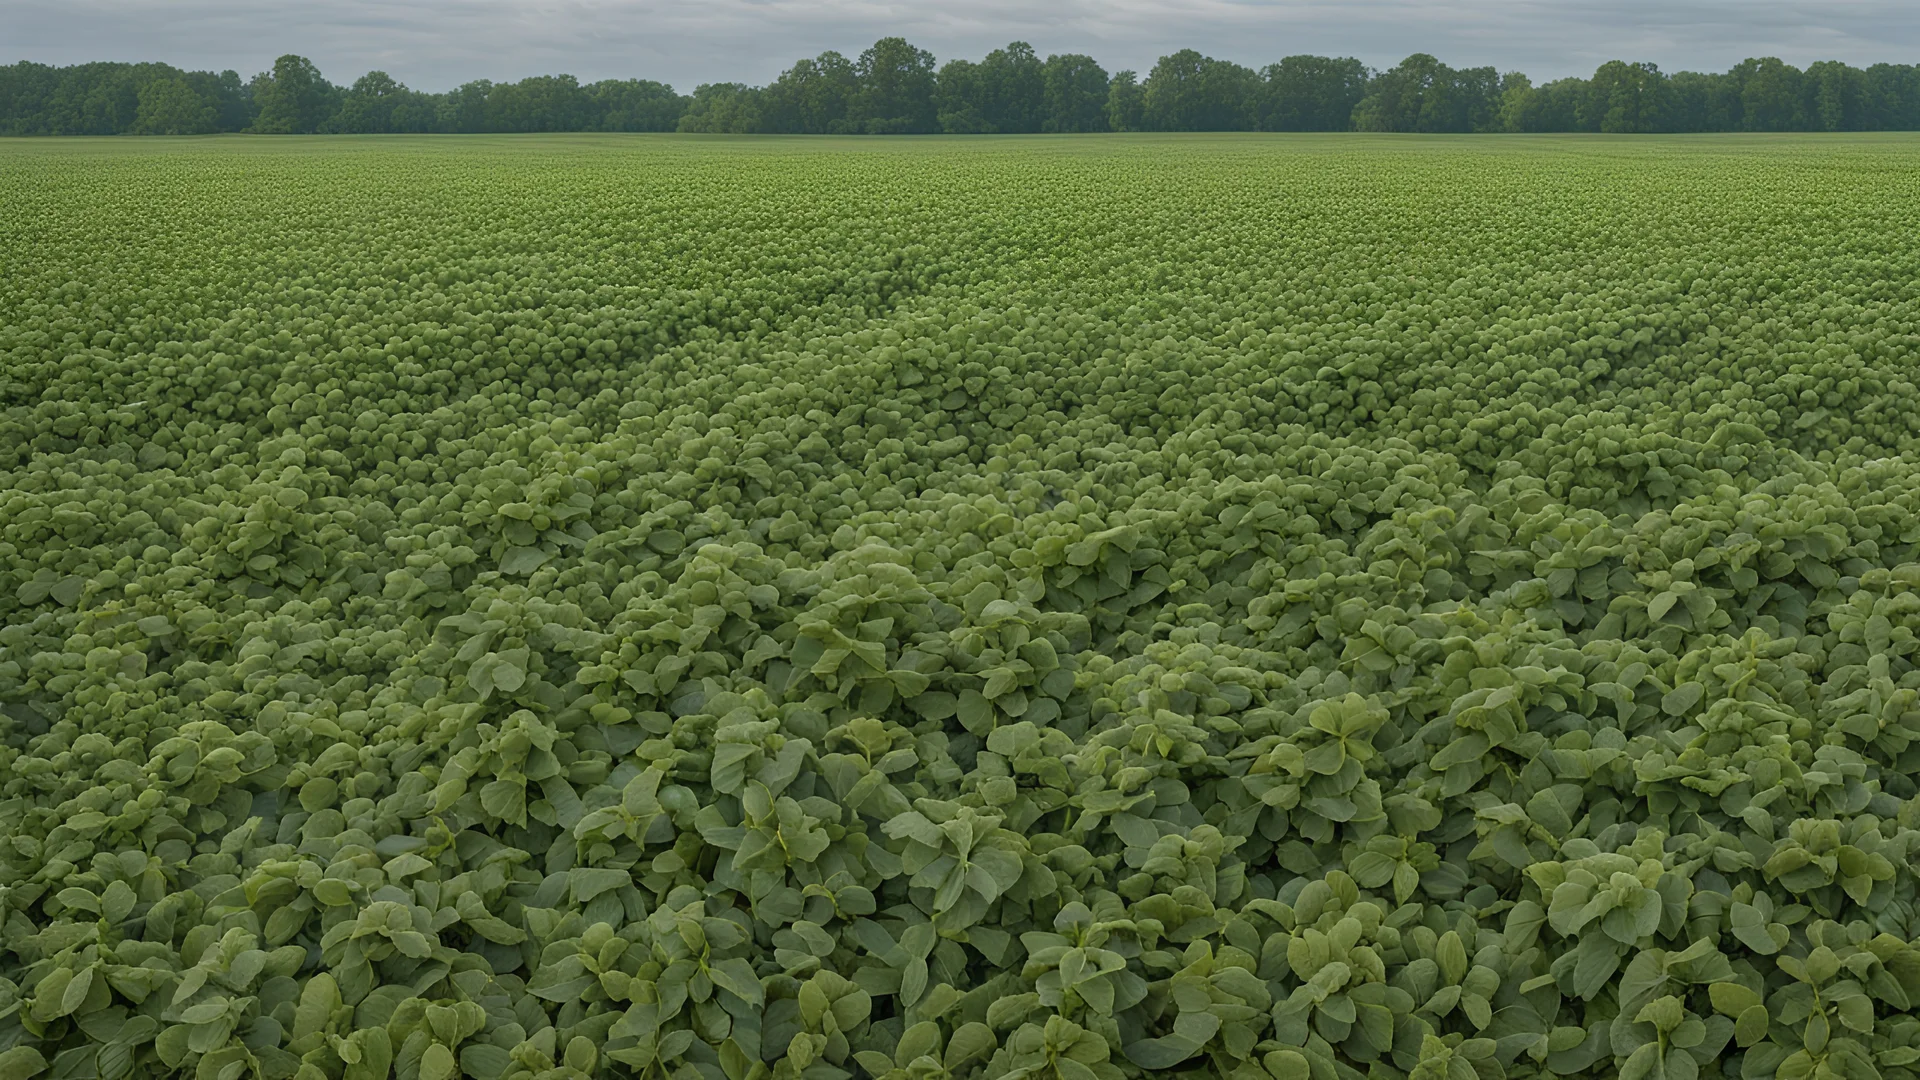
(1157, 607)
(894, 88)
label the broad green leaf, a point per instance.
(21, 1062)
(1682, 698)
(737, 978)
(1750, 927)
(437, 1063)
(482, 1061)
(585, 883)
(975, 712)
(1751, 1026)
(969, 1042)
(521, 561)
(1731, 998)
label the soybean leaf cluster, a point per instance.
(1325, 609)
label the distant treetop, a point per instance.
(896, 88)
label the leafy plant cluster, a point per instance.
(749, 613)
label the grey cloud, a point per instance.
(435, 44)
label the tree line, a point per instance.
(896, 88)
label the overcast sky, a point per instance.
(436, 44)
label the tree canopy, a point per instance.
(895, 87)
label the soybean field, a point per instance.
(1082, 608)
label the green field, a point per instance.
(1264, 607)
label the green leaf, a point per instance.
(1817, 1032)
(75, 994)
(505, 799)
(437, 1063)
(1287, 1065)
(21, 1062)
(510, 669)
(1856, 1012)
(171, 1044)
(1642, 1063)
(205, 1012)
(1751, 1026)
(376, 1055)
(1327, 758)
(1595, 963)
(1005, 1012)
(1451, 954)
(1682, 698)
(483, 1061)
(737, 978)
(586, 883)
(1372, 869)
(975, 712)
(117, 901)
(913, 981)
(851, 1009)
(918, 1040)
(552, 984)
(1374, 1024)
(66, 592)
(970, 1042)
(915, 826)
(1750, 928)
(1162, 1053)
(936, 705)
(1731, 998)
(319, 999)
(521, 561)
